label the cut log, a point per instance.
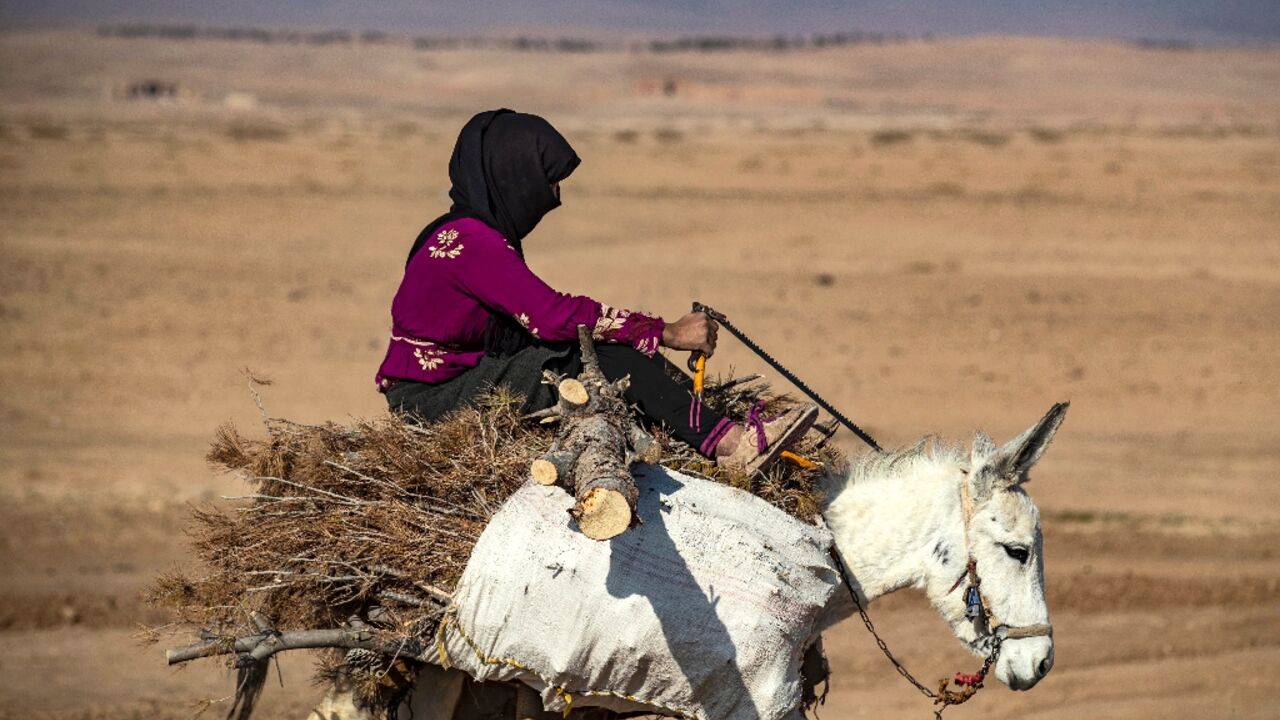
(594, 448)
(646, 449)
(544, 471)
(552, 466)
(603, 513)
(602, 481)
(573, 393)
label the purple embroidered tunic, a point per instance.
(440, 312)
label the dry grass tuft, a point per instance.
(792, 489)
(341, 518)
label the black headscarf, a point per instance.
(502, 168)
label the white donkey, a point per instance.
(931, 517)
(924, 516)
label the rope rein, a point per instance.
(790, 376)
(944, 696)
(975, 605)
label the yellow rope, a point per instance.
(799, 460)
(443, 651)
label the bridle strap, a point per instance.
(1001, 632)
(1025, 631)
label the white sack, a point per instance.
(705, 609)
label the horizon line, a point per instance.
(854, 36)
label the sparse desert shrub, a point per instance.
(626, 137)
(1032, 194)
(401, 130)
(668, 135)
(983, 137)
(891, 136)
(47, 130)
(241, 131)
(945, 190)
(1045, 135)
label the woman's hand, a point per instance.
(694, 331)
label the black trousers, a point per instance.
(661, 398)
(662, 392)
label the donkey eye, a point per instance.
(1020, 554)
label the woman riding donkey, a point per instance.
(470, 314)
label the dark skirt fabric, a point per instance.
(659, 390)
(521, 372)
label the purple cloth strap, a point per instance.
(722, 428)
(754, 420)
(695, 413)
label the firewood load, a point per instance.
(355, 538)
(597, 443)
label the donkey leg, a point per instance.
(339, 702)
(528, 703)
(435, 697)
(435, 694)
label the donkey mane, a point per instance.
(907, 462)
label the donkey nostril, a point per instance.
(1046, 665)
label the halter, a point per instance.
(975, 605)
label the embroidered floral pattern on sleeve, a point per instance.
(429, 357)
(447, 245)
(638, 330)
(610, 322)
(523, 319)
(648, 345)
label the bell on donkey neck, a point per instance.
(972, 603)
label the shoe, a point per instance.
(780, 433)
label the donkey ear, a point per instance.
(983, 446)
(982, 479)
(1020, 453)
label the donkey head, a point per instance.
(1003, 540)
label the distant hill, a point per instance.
(1235, 22)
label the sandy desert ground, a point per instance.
(938, 235)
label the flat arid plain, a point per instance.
(938, 235)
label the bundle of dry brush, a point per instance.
(371, 524)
